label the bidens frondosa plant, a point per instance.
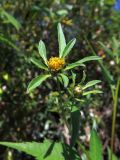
(56, 64)
(58, 69)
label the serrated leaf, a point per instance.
(68, 48)
(91, 83)
(92, 92)
(75, 122)
(11, 19)
(95, 146)
(61, 40)
(39, 64)
(41, 151)
(65, 79)
(37, 82)
(42, 51)
(73, 65)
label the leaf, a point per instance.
(65, 79)
(70, 153)
(95, 146)
(61, 40)
(7, 41)
(92, 92)
(89, 58)
(39, 64)
(73, 79)
(113, 155)
(68, 47)
(41, 151)
(11, 20)
(91, 83)
(105, 71)
(83, 78)
(37, 82)
(106, 49)
(42, 51)
(86, 152)
(73, 65)
(75, 122)
(80, 62)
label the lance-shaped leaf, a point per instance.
(40, 151)
(104, 69)
(37, 82)
(91, 92)
(80, 62)
(73, 65)
(11, 19)
(95, 147)
(114, 157)
(39, 64)
(106, 49)
(64, 79)
(75, 121)
(61, 40)
(68, 48)
(91, 83)
(90, 58)
(8, 42)
(42, 51)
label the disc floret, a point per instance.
(56, 63)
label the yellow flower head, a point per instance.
(56, 63)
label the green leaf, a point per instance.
(11, 20)
(80, 62)
(83, 78)
(39, 64)
(68, 47)
(86, 152)
(106, 49)
(70, 153)
(75, 122)
(73, 65)
(42, 51)
(91, 83)
(92, 92)
(90, 58)
(113, 155)
(105, 71)
(73, 79)
(65, 79)
(61, 40)
(41, 151)
(7, 41)
(95, 146)
(37, 82)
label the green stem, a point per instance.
(63, 116)
(115, 101)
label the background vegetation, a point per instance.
(27, 117)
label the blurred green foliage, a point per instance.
(22, 24)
